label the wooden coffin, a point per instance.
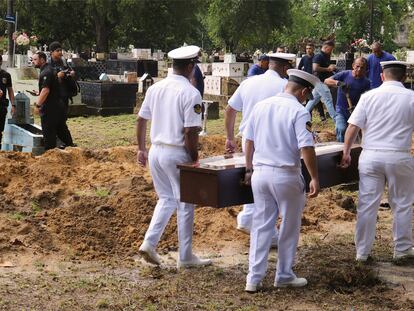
(217, 181)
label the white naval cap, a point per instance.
(302, 77)
(185, 52)
(282, 56)
(394, 63)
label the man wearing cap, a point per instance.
(277, 133)
(174, 107)
(260, 67)
(351, 84)
(386, 117)
(323, 69)
(6, 88)
(374, 66)
(250, 92)
(65, 77)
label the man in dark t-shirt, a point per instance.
(351, 84)
(5, 88)
(322, 67)
(50, 105)
(305, 64)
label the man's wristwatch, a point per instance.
(249, 170)
(38, 106)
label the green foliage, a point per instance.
(243, 24)
(235, 25)
(401, 54)
(411, 36)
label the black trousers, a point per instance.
(3, 114)
(54, 125)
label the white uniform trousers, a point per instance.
(276, 191)
(244, 218)
(163, 160)
(376, 168)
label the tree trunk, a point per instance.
(102, 36)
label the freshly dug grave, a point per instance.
(96, 204)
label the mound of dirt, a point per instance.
(98, 203)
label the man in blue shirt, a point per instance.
(260, 67)
(374, 66)
(351, 84)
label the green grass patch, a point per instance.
(17, 216)
(102, 192)
(35, 207)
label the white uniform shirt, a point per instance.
(172, 104)
(253, 90)
(386, 116)
(277, 126)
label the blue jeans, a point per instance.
(341, 123)
(321, 91)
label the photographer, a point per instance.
(66, 78)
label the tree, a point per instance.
(243, 24)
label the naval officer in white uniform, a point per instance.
(386, 117)
(174, 107)
(250, 92)
(277, 133)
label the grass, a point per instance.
(96, 132)
(35, 207)
(17, 216)
(102, 192)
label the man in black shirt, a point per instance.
(49, 104)
(65, 76)
(305, 64)
(321, 65)
(5, 88)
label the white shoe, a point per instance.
(194, 262)
(361, 258)
(296, 282)
(243, 229)
(149, 254)
(409, 253)
(253, 288)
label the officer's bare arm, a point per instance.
(350, 136)
(309, 157)
(249, 154)
(230, 118)
(141, 135)
(191, 141)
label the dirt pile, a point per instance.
(96, 204)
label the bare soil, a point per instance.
(71, 223)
